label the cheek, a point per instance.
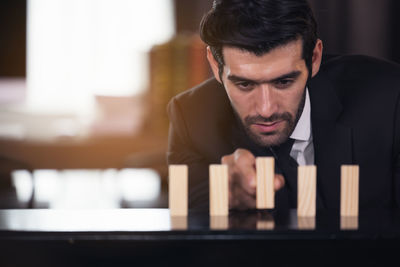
(293, 100)
(240, 102)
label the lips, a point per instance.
(268, 127)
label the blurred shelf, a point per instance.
(96, 152)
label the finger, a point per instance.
(241, 170)
(279, 182)
(245, 165)
(240, 199)
(246, 178)
(228, 160)
(245, 200)
(232, 199)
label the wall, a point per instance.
(346, 26)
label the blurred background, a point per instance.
(84, 86)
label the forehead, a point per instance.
(278, 61)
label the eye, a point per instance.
(284, 83)
(245, 86)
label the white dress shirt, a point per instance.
(303, 147)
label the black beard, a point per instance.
(286, 116)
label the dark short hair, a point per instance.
(259, 26)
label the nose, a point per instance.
(266, 102)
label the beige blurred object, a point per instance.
(118, 115)
(175, 66)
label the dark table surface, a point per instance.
(157, 224)
(151, 237)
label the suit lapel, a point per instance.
(332, 140)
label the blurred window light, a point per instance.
(139, 184)
(22, 181)
(80, 48)
(45, 184)
(83, 189)
(86, 188)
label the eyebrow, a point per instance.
(290, 75)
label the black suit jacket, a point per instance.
(355, 117)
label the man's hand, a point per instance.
(242, 179)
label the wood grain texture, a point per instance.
(178, 190)
(306, 190)
(219, 205)
(349, 187)
(265, 182)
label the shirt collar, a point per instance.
(302, 131)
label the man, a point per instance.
(275, 95)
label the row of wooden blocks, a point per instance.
(265, 194)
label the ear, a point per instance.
(213, 64)
(317, 57)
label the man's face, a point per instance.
(267, 92)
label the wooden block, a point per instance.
(178, 190)
(265, 225)
(219, 196)
(348, 222)
(219, 222)
(349, 183)
(306, 223)
(306, 190)
(266, 222)
(265, 182)
(178, 222)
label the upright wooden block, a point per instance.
(349, 183)
(265, 183)
(219, 196)
(306, 190)
(178, 190)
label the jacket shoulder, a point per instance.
(207, 98)
(208, 90)
(203, 115)
(360, 66)
(355, 76)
